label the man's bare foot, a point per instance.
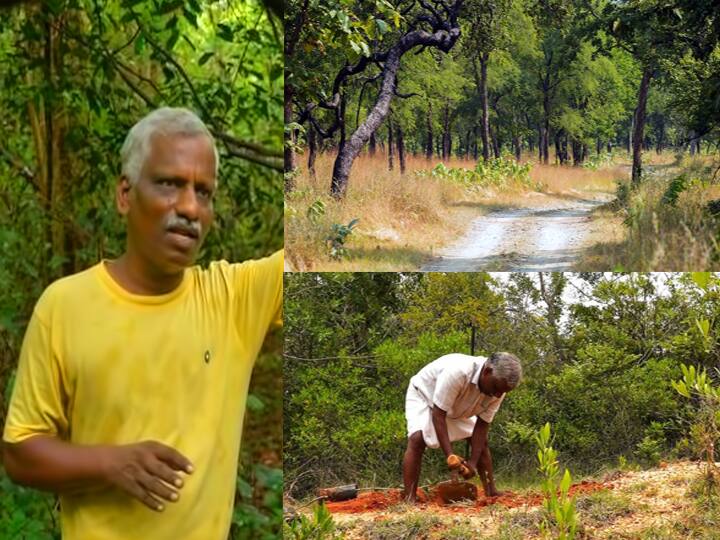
(410, 498)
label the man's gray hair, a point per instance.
(506, 366)
(162, 121)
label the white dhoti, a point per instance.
(419, 418)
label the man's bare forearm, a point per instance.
(51, 464)
(487, 472)
(439, 419)
(147, 470)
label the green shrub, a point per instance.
(499, 172)
(650, 449)
(559, 506)
(320, 526)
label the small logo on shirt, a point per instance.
(207, 357)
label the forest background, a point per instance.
(75, 75)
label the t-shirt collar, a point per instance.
(153, 299)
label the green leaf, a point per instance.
(565, 482)
(382, 26)
(168, 7)
(254, 403)
(225, 32)
(172, 40)
(204, 58)
(140, 44)
(701, 279)
(704, 327)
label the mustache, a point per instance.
(173, 221)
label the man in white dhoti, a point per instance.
(454, 398)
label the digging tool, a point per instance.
(455, 490)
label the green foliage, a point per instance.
(501, 172)
(320, 526)
(650, 449)
(258, 508)
(559, 506)
(695, 383)
(27, 513)
(315, 211)
(338, 236)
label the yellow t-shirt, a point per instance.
(102, 366)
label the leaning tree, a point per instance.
(420, 23)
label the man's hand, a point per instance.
(146, 471)
(455, 462)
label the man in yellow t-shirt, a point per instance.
(133, 375)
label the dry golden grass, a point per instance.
(404, 219)
(559, 179)
(661, 236)
(401, 217)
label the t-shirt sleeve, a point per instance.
(259, 295)
(493, 407)
(448, 386)
(38, 405)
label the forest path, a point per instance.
(550, 237)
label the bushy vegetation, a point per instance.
(599, 353)
(670, 221)
(502, 172)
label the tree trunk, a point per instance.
(475, 143)
(639, 120)
(545, 130)
(495, 143)
(485, 124)
(442, 39)
(391, 149)
(558, 150)
(446, 132)
(312, 151)
(576, 153)
(372, 145)
(554, 311)
(290, 161)
(429, 147)
(517, 146)
(401, 148)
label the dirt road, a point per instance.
(550, 237)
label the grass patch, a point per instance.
(603, 507)
(413, 527)
(459, 530)
(668, 224)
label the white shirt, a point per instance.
(450, 383)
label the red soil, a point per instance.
(380, 500)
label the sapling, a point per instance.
(695, 384)
(559, 505)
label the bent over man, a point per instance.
(454, 398)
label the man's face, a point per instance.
(491, 385)
(169, 210)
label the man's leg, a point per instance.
(411, 465)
